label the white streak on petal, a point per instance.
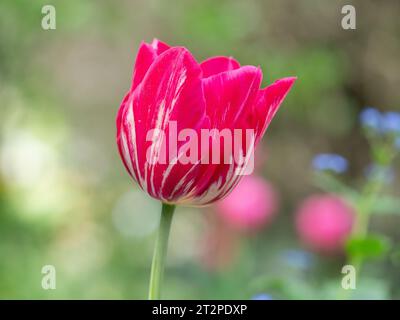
(131, 122)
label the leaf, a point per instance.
(372, 246)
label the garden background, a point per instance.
(66, 200)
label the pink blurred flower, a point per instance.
(324, 222)
(251, 205)
(170, 86)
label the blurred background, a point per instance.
(66, 200)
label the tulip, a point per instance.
(169, 85)
(250, 206)
(172, 94)
(324, 222)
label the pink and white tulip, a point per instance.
(170, 86)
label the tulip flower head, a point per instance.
(250, 206)
(176, 114)
(324, 222)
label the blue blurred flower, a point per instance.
(298, 259)
(371, 118)
(262, 296)
(330, 161)
(391, 122)
(385, 174)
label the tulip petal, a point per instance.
(268, 102)
(170, 91)
(215, 65)
(229, 94)
(146, 55)
(144, 58)
(122, 148)
(159, 46)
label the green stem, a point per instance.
(160, 252)
(360, 229)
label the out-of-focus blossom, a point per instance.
(382, 173)
(26, 160)
(298, 259)
(391, 122)
(330, 162)
(262, 296)
(251, 205)
(170, 86)
(324, 222)
(371, 118)
(382, 123)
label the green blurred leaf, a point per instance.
(373, 246)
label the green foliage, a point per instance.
(372, 246)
